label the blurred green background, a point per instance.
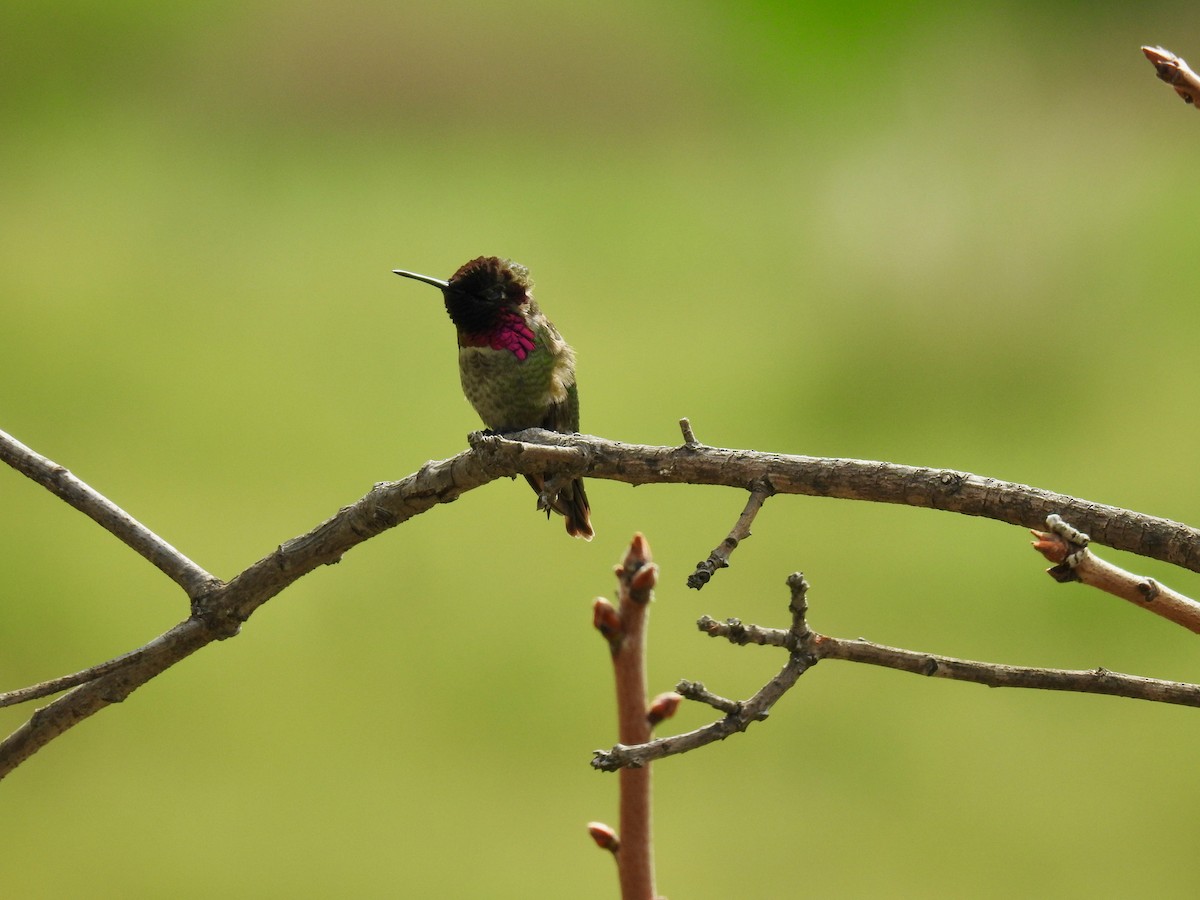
(959, 237)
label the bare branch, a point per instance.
(738, 716)
(113, 687)
(719, 557)
(65, 682)
(1088, 681)
(218, 614)
(695, 690)
(807, 648)
(734, 631)
(218, 609)
(535, 450)
(91, 503)
(756, 709)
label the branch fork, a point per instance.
(806, 648)
(218, 608)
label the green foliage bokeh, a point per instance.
(957, 237)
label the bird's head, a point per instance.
(482, 292)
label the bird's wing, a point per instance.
(564, 415)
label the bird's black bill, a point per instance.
(436, 282)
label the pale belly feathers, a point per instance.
(509, 393)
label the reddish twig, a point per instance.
(624, 627)
(1068, 549)
(1175, 72)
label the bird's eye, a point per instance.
(494, 294)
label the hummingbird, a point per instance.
(516, 369)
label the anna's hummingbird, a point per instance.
(516, 369)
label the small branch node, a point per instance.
(737, 632)
(951, 481)
(798, 607)
(610, 760)
(1063, 545)
(604, 836)
(705, 569)
(663, 707)
(607, 621)
(1149, 589)
(477, 440)
(689, 436)
(696, 691)
(1067, 532)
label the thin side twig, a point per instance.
(59, 481)
(719, 557)
(738, 715)
(1068, 548)
(113, 687)
(689, 436)
(219, 612)
(807, 648)
(1089, 681)
(695, 690)
(65, 682)
(755, 709)
(932, 665)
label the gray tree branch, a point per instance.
(58, 480)
(806, 648)
(845, 479)
(218, 608)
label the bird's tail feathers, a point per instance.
(571, 503)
